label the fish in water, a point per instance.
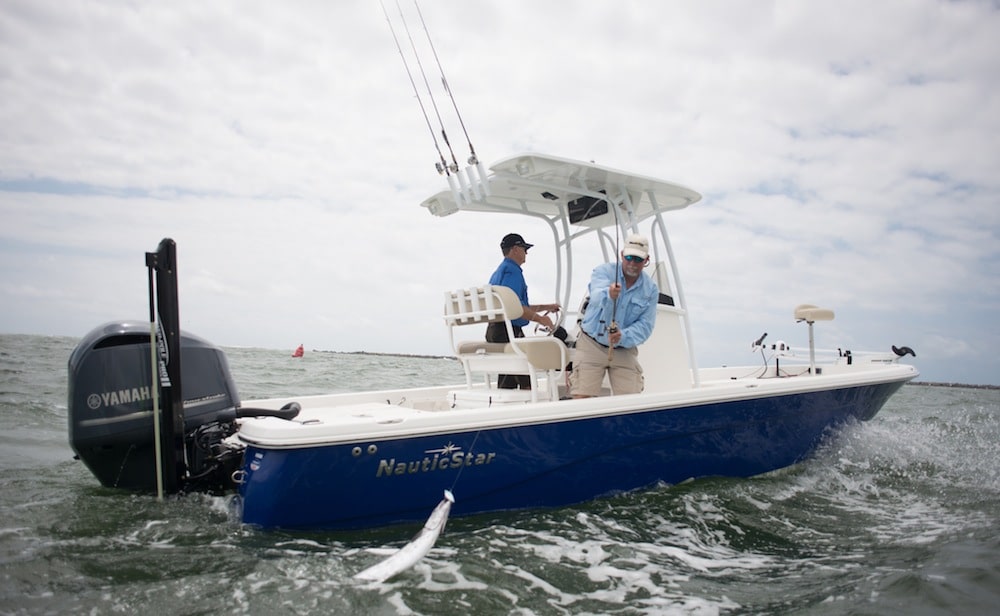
(418, 547)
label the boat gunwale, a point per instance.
(412, 422)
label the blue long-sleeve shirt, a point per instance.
(636, 312)
(509, 274)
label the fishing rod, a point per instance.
(423, 74)
(473, 159)
(613, 327)
(442, 167)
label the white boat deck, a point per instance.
(356, 417)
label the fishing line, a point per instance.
(442, 167)
(444, 81)
(471, 447)
(153, 351)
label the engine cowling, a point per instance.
(111, 407)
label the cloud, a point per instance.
(845, 162)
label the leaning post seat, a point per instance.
(810, 314)
(530, 356)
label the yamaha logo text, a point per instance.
(122, 396)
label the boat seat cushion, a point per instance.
(471, 347)
(544, 353)
(811, 314)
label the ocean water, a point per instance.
(899, 515)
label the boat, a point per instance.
(377, 458)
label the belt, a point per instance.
(596, 341)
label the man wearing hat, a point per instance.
(509, 274)
(620, 315)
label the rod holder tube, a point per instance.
(455, 193)
(483, 178)
(473, 182)
(466, 193)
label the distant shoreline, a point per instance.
(962, 385)
(376, 354)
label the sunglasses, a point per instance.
(634, 259)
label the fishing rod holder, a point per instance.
(469, 184)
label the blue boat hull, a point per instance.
(378, 483)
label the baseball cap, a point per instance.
(636, 245)
(513, 239)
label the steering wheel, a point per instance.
(556, 322)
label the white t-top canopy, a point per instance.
(552, 187)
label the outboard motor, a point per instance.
(111, 410)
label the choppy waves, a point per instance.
(896, 515)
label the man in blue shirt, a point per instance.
(617, 317)
(509, 274)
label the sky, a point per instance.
(847, 153)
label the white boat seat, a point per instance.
(811, 314)
(530, 356)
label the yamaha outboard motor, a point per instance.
(111, 409)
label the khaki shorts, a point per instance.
(590, 363)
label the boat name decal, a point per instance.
(448, 457)
(122, 396)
